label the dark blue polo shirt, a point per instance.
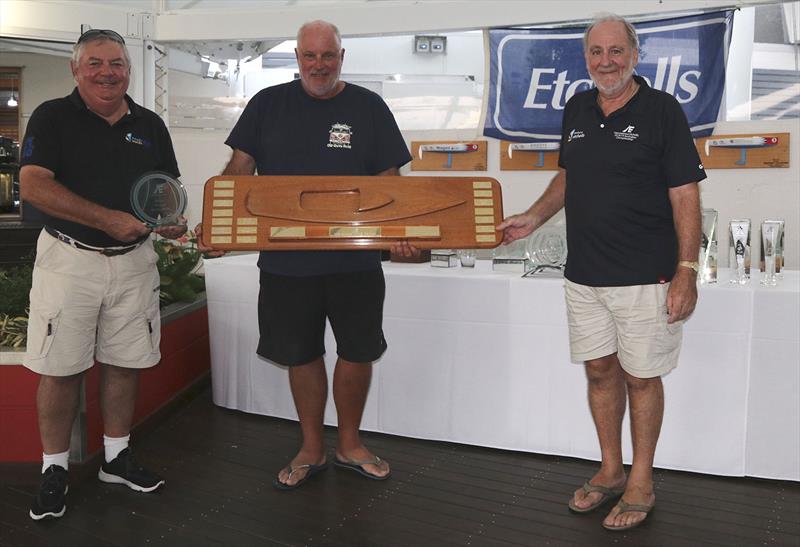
(96, 161)
(620, 228)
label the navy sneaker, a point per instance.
(124, 469)
(51, 501)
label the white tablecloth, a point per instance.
(481, 357)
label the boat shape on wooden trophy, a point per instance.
(315, 212)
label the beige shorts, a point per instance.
(86, 306)
(630, 321)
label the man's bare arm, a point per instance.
(682, 295)
(241, 163)
(39, 187)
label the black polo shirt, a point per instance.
(620, 229)
(93, 159)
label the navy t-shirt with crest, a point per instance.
(289, 132)
(620, 227)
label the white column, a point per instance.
(738, 80)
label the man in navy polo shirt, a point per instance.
(321, 125)
(95, 283)
(628, 180)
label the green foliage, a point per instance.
(177, 261)
(15, 288)
(13, 330)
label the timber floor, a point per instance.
(219, 465)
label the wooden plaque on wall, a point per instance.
(744, 151)
(293, 213)
(527, 160)
(471, 158)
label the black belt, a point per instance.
(105, 251)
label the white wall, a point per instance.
(44, 77)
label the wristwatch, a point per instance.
(691, 265)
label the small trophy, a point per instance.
(739, 250)
(158, 199)
(512, 257)
(708, 247)
(547, 250)
(771, 239)
(444, 258)
(778, 248)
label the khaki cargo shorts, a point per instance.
(86, 306)
(630, 321)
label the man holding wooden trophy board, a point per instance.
(324, 204)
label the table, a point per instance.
(481, 357)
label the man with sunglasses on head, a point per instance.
(95, 282)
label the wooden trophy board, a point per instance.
(744, 157)
(468, 160)
(306, 213)
(527, 160)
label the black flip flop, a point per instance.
(358, 467)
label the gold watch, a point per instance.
(691, 265)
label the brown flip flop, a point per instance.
(607, 494)
(625, 507)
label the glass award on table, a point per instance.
(512, 257)
(547, 250)
(158, 199)
(771, 251)
(739, 250)
(708, 247)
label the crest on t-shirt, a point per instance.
(340, 134)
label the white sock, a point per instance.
(114, 445)
(60, 459)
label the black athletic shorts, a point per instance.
(292, 312)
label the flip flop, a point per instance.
(358, 467)
(312, 470)
(607, 494)
(627, 508)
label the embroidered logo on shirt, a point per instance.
(27, 148)
(626, 134)
(340, 134)
(575, 134)
(131, 138)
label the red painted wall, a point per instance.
(184, 358)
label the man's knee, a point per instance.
(642, 384)
(60, 382)
(603, 370)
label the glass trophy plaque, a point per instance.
(739, 250)
(771, 240)
(158, 199)
(776, 228)
(709, 247)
